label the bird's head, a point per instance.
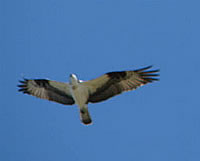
(73, 79)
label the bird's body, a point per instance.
(79, 92)
(82, 93)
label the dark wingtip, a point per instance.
(148, 75)
(145, 68)
(22, 81)
(152, 79)
(152, 71)
(23, 85)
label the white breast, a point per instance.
(80, 94)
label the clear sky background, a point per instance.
(54, 38)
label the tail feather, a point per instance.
(85, 116)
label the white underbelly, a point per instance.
(80, 95)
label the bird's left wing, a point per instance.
(47, 89)
(114, 83)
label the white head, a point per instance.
(73, 79)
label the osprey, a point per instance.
(83, 92)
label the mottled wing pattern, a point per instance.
(114, 83)
(46, 89)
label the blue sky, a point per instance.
(54, 38)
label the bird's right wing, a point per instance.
(114, 83)
(47, 89)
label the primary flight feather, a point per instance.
(92, 91)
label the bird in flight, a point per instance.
(83, 92)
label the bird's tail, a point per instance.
(85, 116)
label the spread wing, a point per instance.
(47, 89)
(114, 83)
